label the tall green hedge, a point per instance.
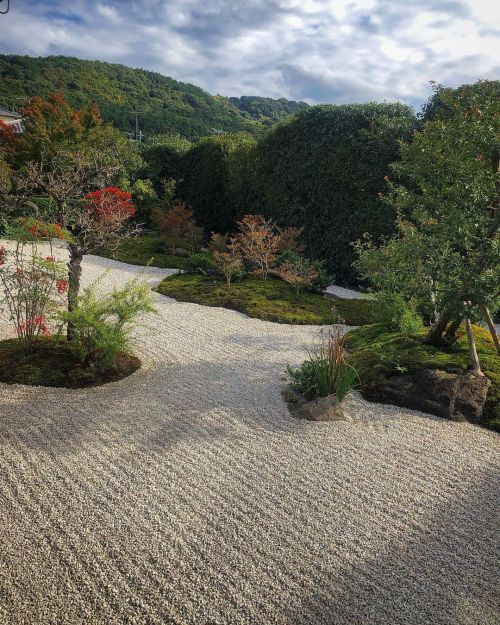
(324, 169)
(215, 180)
(163, 155)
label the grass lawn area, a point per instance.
(52, 363)
(141, 250)
(377, 352)
(271, 300)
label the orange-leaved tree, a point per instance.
(51, 123)
(229, 260)
(289, 241)
(300, 273)
(179, 229)
(259, 241)
(8, 138)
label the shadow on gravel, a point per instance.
(443, 572)
(195, 401)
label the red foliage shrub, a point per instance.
(110, 206)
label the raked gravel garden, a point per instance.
(187, 494)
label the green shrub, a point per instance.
(326, 372)
(210, 171)
(101, 327)
(324, 277)
(400, 315)
(198, 263)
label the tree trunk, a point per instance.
(451, 332)
(476, 366)
(435, 335)
(60, 212)
(74, 275)
(491, 326)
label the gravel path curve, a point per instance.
(186, 494)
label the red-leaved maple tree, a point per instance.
(110, 207)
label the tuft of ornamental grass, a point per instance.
(326, 372)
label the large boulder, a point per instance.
(180, 251)
(459, 397)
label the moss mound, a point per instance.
(53, 364)
(379, 353)
(144, 250)
(354, 312)
(270, 300)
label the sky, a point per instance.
(333, 51)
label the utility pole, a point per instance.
(138, 136)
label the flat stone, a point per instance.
(321, 409)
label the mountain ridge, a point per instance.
(166, 105)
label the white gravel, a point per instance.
(186, 493)
(343, 293)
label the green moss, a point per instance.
(355, 312)
(378, 353)
(52, 363)
(271, 299)
(143, 250)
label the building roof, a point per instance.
(9, 113)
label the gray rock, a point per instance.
(321, 409)
(459, 397)
(179, 251)
(293, 399)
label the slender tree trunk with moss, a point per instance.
(451, 332)
(435, 335)
(74, 276)
(476, 366)
(491, 326)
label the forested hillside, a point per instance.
(165, 105)
(267, 110)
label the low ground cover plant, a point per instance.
(146, 249)
(271, 300)
(326, 371)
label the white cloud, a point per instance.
(318, 50)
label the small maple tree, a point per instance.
(229, 261)
(179, 228)
(289, 241)
(259, 241)
(300, 273)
